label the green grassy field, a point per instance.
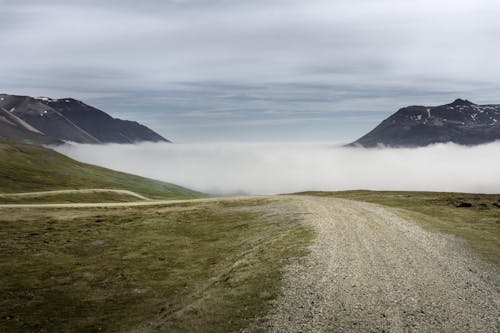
(479, 224)
(192, 267)
(25, 168)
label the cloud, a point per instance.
(178, 56)
(283, 168)
(258, 41)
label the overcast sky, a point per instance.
(217, 70)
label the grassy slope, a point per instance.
(197, 267)
(25, 168)
(479, 224)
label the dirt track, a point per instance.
(372, 271)
(83, 191)
(146, 202)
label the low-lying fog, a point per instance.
(291, 167)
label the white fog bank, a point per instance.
(285, 168)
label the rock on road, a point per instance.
(373, 271)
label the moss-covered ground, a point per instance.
(191, 267)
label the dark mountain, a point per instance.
(71, 120)
(45, 119)
(11, 127)
(461, 122)
(101, 125)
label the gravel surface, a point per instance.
(372, 271)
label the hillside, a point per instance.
(27, 168)
(13, 128)
(461, 122)
(72, 120)
(101, 125)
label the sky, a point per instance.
(261, 70)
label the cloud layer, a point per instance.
(284, 168)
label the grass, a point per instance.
(26, 168)
(192, 267)
(479, 224)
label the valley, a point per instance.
(90, 249)
(309, 262)
(326, 166)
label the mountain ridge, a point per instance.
(462, 122)
(68, 119)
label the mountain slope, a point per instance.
(101, 125)
(13, 128)
(72, 120)
(45, 119)
(27, 168)
(461, 122)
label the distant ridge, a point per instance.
(461, 122)
(66, 119)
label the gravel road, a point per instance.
(372, 271)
